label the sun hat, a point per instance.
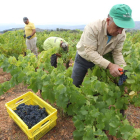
(64, 46)
(122, 16)
(25, 19)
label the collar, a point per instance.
(105, 30)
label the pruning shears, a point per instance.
(121, 71)
(123, 77)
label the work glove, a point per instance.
(24, 35)
(29, 37)
(123, 77)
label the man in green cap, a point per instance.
(99, 38)
(59, 44)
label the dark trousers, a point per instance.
(80, 69)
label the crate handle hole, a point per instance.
(19, 101)
(44, 123)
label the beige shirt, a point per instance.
(93, 44)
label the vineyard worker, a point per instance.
(57, 42)
(30, 35)
(99, 38)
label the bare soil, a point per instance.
(9, 130)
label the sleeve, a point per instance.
(117, 53)
(90, 44)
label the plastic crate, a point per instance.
(41, 128)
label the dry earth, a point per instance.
(10, 131)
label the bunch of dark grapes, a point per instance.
(54, 60)
(122, 79)
(31, 114)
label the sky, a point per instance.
(42, 12)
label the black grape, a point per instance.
(122, 79)
(31, 114)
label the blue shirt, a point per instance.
(109, 38)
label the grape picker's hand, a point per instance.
(29, 37)
(59, 55)
(114, 69)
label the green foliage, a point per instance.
(12, 43)
(95, 106)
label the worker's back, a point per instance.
(52, 42)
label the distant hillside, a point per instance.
(54, 27)
(11, 27)
(137, 25)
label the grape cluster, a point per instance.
(54, 60)
(31, 114)
(122, 79)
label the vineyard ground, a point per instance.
(64, 128)
(10, 131)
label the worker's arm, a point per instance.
(90, 42)
(118, 59)
(34, 31)
(24, 34)
(59, 55)
(117, 53)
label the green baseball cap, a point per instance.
(121, 15)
